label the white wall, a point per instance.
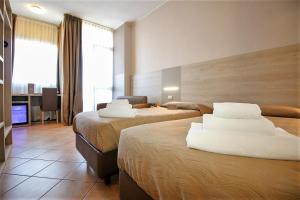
(181, 33)
(122, 60)
(119, 62)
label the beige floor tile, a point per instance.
(67, 189)
(14, 162)
(31, 153)
(72, 156)
(29, 168)
(45, 145)
(2, 165)
(58, 170)
(82, 173)
(51, 155)
(8, 181)
(32, 188)
(17, 150)
(103, 192)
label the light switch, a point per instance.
(170, 97)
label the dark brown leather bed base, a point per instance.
(129, 190)
(104, 164)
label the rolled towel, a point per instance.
(111, 113)
(120, 101)
(281, 145)
(237, 110)
(262, 126)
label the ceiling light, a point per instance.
(36, 9)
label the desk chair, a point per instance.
(49, 102)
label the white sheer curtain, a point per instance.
(97, 51)
(35, 58)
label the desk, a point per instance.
(32, 100)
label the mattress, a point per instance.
(155, 156)
(104, 133)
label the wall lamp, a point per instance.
(173, 88)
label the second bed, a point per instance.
(155, 163)
(97, 138)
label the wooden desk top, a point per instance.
(30, 95)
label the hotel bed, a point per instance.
(97, 138)
(155, 163)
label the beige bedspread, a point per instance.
(156, 157)
(104, 133)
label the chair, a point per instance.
(49, 102)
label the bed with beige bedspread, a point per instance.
(104, 133)
(156, 157)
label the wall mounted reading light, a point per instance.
(36, 8)
(173, 88)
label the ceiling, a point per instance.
(110, 13)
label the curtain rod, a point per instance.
(102, 26)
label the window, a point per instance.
(35, 58)
(97, 51)
(35, 62)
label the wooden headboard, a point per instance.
(264, 77)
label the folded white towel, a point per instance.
(120, 101)
(121, 106)
(237, 110)
(124, 113)
(262, 126)
(282, 145)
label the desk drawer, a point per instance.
(20, 98)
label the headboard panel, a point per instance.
(265, 77)
(148, 85)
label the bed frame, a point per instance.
(129, 189)
(104, 164)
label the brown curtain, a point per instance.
(72, 68)
(14, 18)
(58, 74)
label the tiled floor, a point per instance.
(44, 163)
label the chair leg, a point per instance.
(42, 118)
(107, 180)
(57, 116)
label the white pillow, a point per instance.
(237, 110)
